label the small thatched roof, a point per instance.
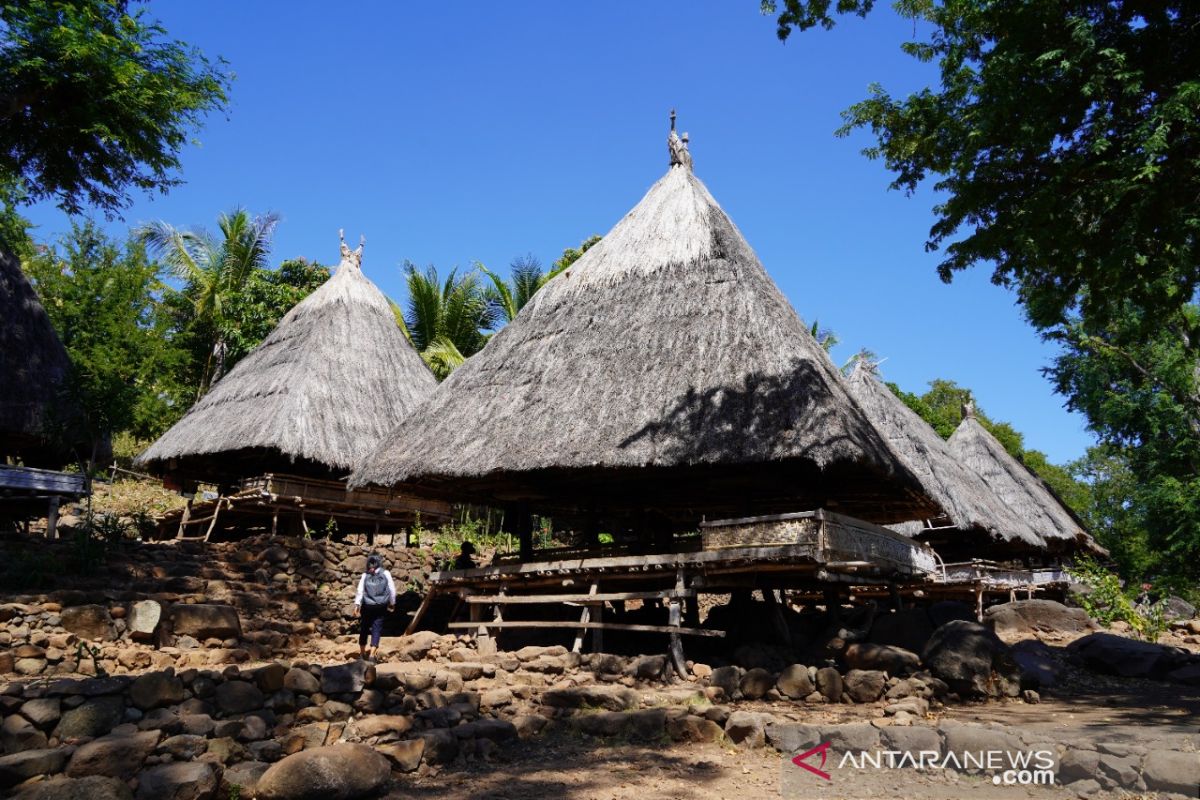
(320, 391)
(663, 372)
(975, 517)
(33, 369)
(1027, 495)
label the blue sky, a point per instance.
(450, 133)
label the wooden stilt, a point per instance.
(52, 518)
(304, 524)
(584, 617)
(275, 522)
(183, 521)
(674, 620)
(778, 620)
(420, 612)
(894, 592)
(979, 602)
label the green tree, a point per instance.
(1116, 511)
(102, 299)
(214, 271)
(507, 298)
(254, 311)
(572, 254)
(96, 101)
(445, 320)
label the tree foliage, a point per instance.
(215, 272)
(445, 320)
(96, 101)
(572, 254)
(101, 297)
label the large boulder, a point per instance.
(972, 661)
(1039, 668)
(93, 787)
(1129, 658)
(238, 697)
(88, 622)
(118, 755)
(865, 685)
(143, 620)
(95, 717)
(205, 621)
(337, 772)
(347, 678)
(21, 766)
(888, 658)
(154, 689)
(193, 780)
(1178, 608)
(1023, 618)
(756, 683)
(18, 734)
(795, 683)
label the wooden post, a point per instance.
(522, 523)
(304, 524)
(183, 520)
(979, 602)
(584, 617)
(52, 518)
(778, 621)
(274, 522)
(420, 612)
(673, 620)
(894, 593)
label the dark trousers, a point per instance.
(370, 621)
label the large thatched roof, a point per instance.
(975, 518)
(33, 368)
(1027, 495)
(320, 391)
(663, 372)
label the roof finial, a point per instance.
(352, 257)
(968, 407)
(678, 147)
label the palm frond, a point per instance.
(442, 357)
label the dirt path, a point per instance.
(573, 769)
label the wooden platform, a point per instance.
(26, 492)
(302, 505)
(809, 549)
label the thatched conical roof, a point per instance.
(975, 518)
(319, 393)
(664, 371)
(33, 369)
(1025, 494)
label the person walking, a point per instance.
(375, 598)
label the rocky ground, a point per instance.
(185, 671)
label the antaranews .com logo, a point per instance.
(806, 773)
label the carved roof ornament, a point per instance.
(678, 147)
(352, 257)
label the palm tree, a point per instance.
(445, 319)
(213, 270)
(507, 299)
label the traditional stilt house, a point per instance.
(39, 424)
(659, 385)
(663, 379)
(296, 415)
(975, 522)
(1023, 492)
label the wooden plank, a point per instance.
(676, 646)
(584, 616)
(604, 626)
(30, 479)
(589, 599)
(213, 524)
(421, 609)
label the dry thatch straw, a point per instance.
(975, 519)
(664, 372)
(33, 370)
(320, 391)
(1027, 495)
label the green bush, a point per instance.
(1109, 602)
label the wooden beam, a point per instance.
(604, 626)
(584, 616)
(52, 518)
(213, 524)
(587, 599)
(420, 612)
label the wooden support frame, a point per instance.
(608, 626)
(584, 616)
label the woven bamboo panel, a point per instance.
(762, 532)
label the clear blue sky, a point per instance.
(454, 132)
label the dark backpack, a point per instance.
(375, 589)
